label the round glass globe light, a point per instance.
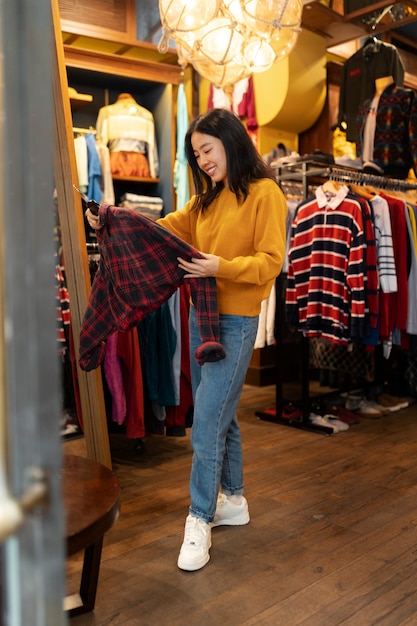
(258, 55)
(187, 15)
(221, 75)
(283, 42)
(234, 8)
(264, 16)
(219, 41)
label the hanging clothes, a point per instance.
(325, 294)
(112, 369)
(394, 306)
(81, 160)
(411, 219)
(385, 248)
(128, 351)
(374, 60)
(181, 182)
(94, 191)
(158, 341)
(239, 98)
(128, 130)
(106, 175)
(394, 148)
(179, 417)
(138, 271)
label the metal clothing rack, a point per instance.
(84, 131)
(309, 173)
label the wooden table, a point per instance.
(91, 501)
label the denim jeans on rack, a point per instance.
(215, 434)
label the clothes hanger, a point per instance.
(370, 41)
(364, 191)
(331, 186)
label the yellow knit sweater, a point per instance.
(249, 238)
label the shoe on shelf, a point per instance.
(349, 417)
(366, 409)
(353, 402)
(334, 420)
(289, 412)
(382, 409)
(393, 403)
(194, 553)
(319, 420)
(230, 514)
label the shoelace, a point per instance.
(194, 532)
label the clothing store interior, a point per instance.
(96, 465)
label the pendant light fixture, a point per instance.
(227, 40)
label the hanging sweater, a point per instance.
(394, 306)
(138, 271)
(395, 141)
(325, 294)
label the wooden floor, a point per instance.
(332, 538)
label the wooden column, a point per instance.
(75, 253)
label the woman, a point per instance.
(237, 220)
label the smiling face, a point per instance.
(210, 156)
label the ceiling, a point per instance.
(354, 19)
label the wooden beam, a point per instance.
(122, 66)
(75, 254)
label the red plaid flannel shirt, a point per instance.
(138, 271)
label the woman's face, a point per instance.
(211, 156)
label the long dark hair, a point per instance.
(244, 163)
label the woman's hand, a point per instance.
(200, 268)
(93, 220)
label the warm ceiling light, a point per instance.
(283, 43)
(266, 17)
(187, 15)
(219, 41)
(259, 56)
(226, 40)
(222, 75)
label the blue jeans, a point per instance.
(215, 434)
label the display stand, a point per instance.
(308, 173)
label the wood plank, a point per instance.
(331, 540)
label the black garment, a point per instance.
(375, 59)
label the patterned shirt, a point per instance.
(138, 271)
(325, 293)
(395, 141)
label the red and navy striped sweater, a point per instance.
(327, 272)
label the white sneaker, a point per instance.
(334, 421)
(319, 420)
(379, 407)
(353, 402)
(367, 409)
(230, 514)
(194, 553)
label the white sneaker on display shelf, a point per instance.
(335, 421)
(319, 420)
